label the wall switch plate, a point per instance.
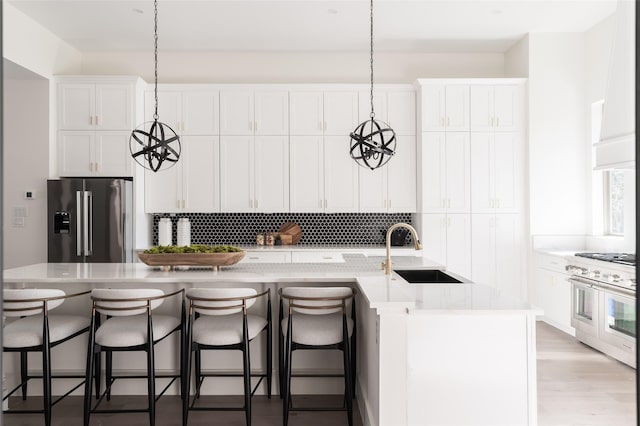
(20, 212)
(18, 222)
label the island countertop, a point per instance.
(382, 292)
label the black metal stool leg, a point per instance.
(108, 373)
(347, 375)
(46, 381)
(286, 402)
(198, 361)
(269, 357)
(151, 385)
(24, 374)
(89, 375)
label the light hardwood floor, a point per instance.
(577, 386)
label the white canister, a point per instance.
(164, 232)
(184, 232)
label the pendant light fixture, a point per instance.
(154, 145)
(373, 142)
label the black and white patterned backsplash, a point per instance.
(361, 229)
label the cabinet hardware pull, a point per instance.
(497, 121)
(385, 204)
(325, 203)
(449, 203)
(389, 203)
(250, 203)
(253, 258)
(498, 203)
(256, 203)
(320, 203)
(491, 203)
(449, 222)
(96, 167)
(320, 124)
(178, 203)
(448, 122)
(327, 257)
(182, 126)
(184, 203)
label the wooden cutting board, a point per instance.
(290, 233)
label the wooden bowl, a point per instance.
(169, 260)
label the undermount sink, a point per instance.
(426, 276)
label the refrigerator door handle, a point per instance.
(79, 220)
(87, 222)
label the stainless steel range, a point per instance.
(604, 302)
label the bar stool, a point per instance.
(34, 333)
(218, 320)
(316, 320)
(130, 326)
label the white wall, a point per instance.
(558, 142)
(25, 168)
(516, 59)
(254, 67)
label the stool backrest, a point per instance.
(221, 301)
(120, 302)
(317, 300)
(22, 302)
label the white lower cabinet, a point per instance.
(254, 173)
(446, 239)
(495, 252)
(553, 291)
(267, 257)
(391, 188)
(191, 185)
(89, 153)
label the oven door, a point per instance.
(618, 325)
(584, 306)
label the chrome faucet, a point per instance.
(386, 265)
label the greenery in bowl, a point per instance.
(193, 248)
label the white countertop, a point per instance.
(382, 292)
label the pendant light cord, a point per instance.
(155, 55)
(373, 114)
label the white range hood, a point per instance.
(616, 148)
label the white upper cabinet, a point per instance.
(340, 176)
(190, 185)
(245, 112)
(446, 168)
(306, 169)
(192, 112)
(446, 240)
(306, 114)
(401, 111)
(254, 174)
(496, 108)
(340, 112)
(95, 119)
(445, 107)
(91, 106)
(495, 180)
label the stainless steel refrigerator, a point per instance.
(90, 220)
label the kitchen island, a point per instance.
(428, 354)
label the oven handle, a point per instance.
(586, 282)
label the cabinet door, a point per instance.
(482, 193)
(433, 107)
(553, 295)
(236, 112)
(401, 112)
(306, 113)
(457, 171)
(271, 173)
(112, 155)
(457, 107)
(505, 179)
(236, 174)
(340, 113)
(306, 174)
(200, 113)
(506, 108)
(114, 107)
(482, 114)
(433, 172)
(402, 176)
(508, 276)
(77, 106)
(483, 248)
(434, 237)
(373, 189)
(76, 153)
(169, 108)
(162, 190)
(459, 244)
(271, 113)
(200, 174)
(340, 176)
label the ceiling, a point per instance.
(310, 25)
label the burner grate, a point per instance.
(621, 258)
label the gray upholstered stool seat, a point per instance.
(121, 332)
(27, 332)
(226, 330)
(318, 330)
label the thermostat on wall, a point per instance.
(29, 195)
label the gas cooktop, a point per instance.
(621, 258)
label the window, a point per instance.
(614, 200)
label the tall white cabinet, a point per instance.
(471, 177)
(96, 115)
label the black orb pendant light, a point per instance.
(373, 142)
(154, 145)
